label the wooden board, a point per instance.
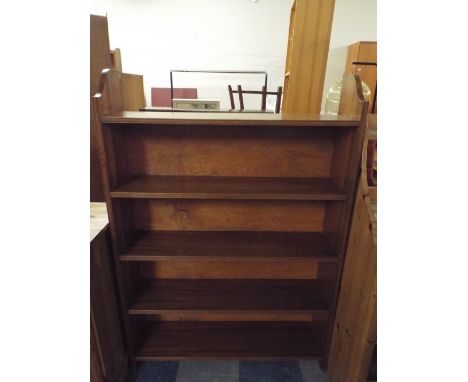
(228, 215)
(133, 96)
(241, 152)
(229, 119)
(228, 246)
(280, 297)
(354, 331)
(234, 269)
(210, 187)
(307, 55)
(99, 59)
(110, 355)
(230, 340)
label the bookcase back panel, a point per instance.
(218, 151)
(228, 215)
(219, 269)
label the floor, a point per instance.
(230, 371)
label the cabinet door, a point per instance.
(106, 325)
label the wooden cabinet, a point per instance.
(364, 51)
(109, 359)
(229, 230)
(307, 53)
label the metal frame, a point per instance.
(214, 71)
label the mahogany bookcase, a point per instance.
(228, 229)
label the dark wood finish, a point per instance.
(222, 151)
(267, 120)
(100, 58)
(214, 187)
(108, 352)
(241, 97)
(230, 340)
(224, 215)
(229, 245)
(231, 97)
(228, 296)
(277, 240)
(263, 93)
(277, 268)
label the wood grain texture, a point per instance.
(228, 296)
(106, 320)
(354, 333)
(221, 145)
(345, 170)
(306, 62)
(133, 96)
(211, 187)
(223, 151)
(99, 59)
(233, 269)
(364, 51)
(231, 340)
(228, 215)
(228, 246)
(311, 120)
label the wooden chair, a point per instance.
(263, 92)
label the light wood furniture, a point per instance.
(229, 230)
(364, 51)
(307, 54)
(355, 329)
(109, 359)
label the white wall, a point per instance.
(158, 35)
(353, 20)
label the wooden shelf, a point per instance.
(228, 245)
(231, 340)
(242, 119)
(279, 297)
(214, 187)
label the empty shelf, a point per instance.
(229, 296)
(231, 340)
(228, 245)
(214, 187)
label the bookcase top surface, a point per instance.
(203, 118)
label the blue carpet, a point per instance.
(230, 371)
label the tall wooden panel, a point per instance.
(307, 54)
(355, 330)
(100, 58)
(109, 360)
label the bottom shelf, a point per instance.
(172, 340)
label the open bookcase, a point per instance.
(228, 229)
